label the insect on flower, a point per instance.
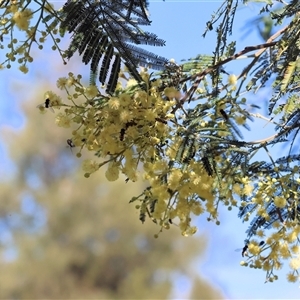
(235, 130)
(122, 134)
(46, 104)
(224, 114)
(123, 130)
(245, 248)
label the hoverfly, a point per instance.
(245, 248)
(224, 114)
(235, 130)
(70, 144)
(123, 130)
(122, 134)
(46, 104)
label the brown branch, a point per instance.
(225, 61)
(208, 70)
(199, 76)
(261, 51)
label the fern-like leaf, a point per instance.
(207, 165)
(106, 63)
(288, 75)
(110, 27)
(101, 48)
(90, 50)
(75, 43)
(113, 78)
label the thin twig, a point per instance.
(199, 76)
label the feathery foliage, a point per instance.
(184, 126)
(102, 33)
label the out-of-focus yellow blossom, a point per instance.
(90, 166)
(295, 263)
(171, 92)
(142, 97)
(296, 249)
(125, 99)
(154, 140)
(237, 189)
(245, 180)
(189, 231)
(240, 120)
(125, 116)
(291, 237)
(195, 179)
(232, 79)
(61, 83)
(247, 190)
(258, 199)
(261, 211)
(267, 266)
(22, 18)
(276, 225)
(114, 103)
(280, 201)
(223, 132)
(131, 82)
(112, 173)
(91, 91)
(260, 233)
(184, 190)
(63, 121)
(196, 208)
(13, 8)
(70, 81)
(291, 277)
(257, 264)
(132, 174)
(132, 132)
(150, 115)
(284, 250)
(23, 69)
(161, 192)
(160, 165)
(253, 248)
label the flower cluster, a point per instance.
(135, 132)
(280, 214)
(18, 16)
(142, 132)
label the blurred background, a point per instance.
(63, 236)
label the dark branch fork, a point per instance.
(210, 69)
(261, 47)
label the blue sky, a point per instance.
(181, 24)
